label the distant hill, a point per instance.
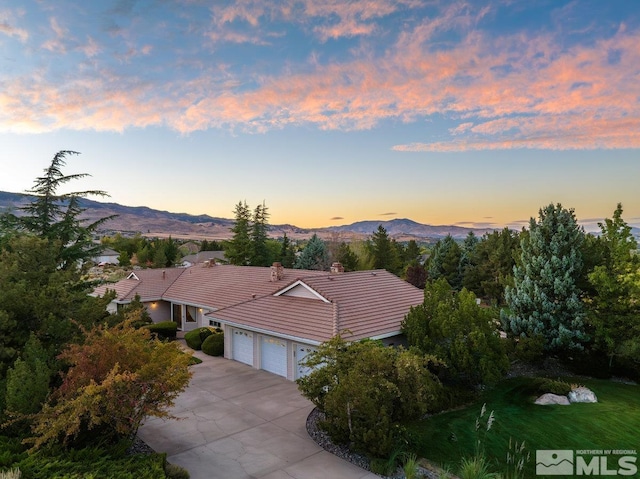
(408, 228)
(134, 219)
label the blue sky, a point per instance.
(472, 113)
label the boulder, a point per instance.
(549, 398)
(582, 394)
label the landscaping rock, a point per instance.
(582, 394)
(549, 398)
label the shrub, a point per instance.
(163, 330)
(28, 379)
(92, 463)
(553, 386)
(195, 337)
(115, 380)
(176, 472)
(367, 390)
(213, 345)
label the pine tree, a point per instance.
(259, 250)
(545, 301)
(314, 255)
(56, 217)
(238, 250)
(383, 251)
(615, 308)
(287, 253)
(348, 258)
(445, 262)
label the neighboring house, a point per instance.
(107, 256)
(273, 317)
(202, 257)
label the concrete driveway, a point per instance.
(237, 423)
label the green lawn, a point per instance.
(612, 423)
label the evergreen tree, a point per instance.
(615, 308)
(545, 301)
(384, 252)
(490, 267)
(314, 255)
(467, 251)
(56, 217)
(204, 246)
(238, 250)
(412, 253)
(287, 253)
(453, 328)
(259, 251)
(444, 262)
(347, 258)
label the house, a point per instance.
(107, 256)
(203, 257)
(273, 317)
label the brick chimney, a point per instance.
(277, 271)
(337, 268)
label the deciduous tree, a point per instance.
(116, 378)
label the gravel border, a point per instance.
(324, 441)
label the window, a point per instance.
(176, 313)
(191, 314)
(215, 324)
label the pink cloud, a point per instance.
(12, 31)
(506, 92)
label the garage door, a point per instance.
(243, 346)
(302, 350)
(273, 355)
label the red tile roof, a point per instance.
(367, 303)
(149, 284)
(362, 304)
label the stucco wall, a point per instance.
(159, 311)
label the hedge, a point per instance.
(195, 338)
(164, 330)
(214, 344)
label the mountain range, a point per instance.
(150, 222)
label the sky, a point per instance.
(471, 113)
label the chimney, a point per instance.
(337, 268)
(277, 271)
(164, 274)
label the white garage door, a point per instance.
(273, 355)
(243, 346)
(302, 350)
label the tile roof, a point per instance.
(221, 286)
(367, 303)
(150, 284)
